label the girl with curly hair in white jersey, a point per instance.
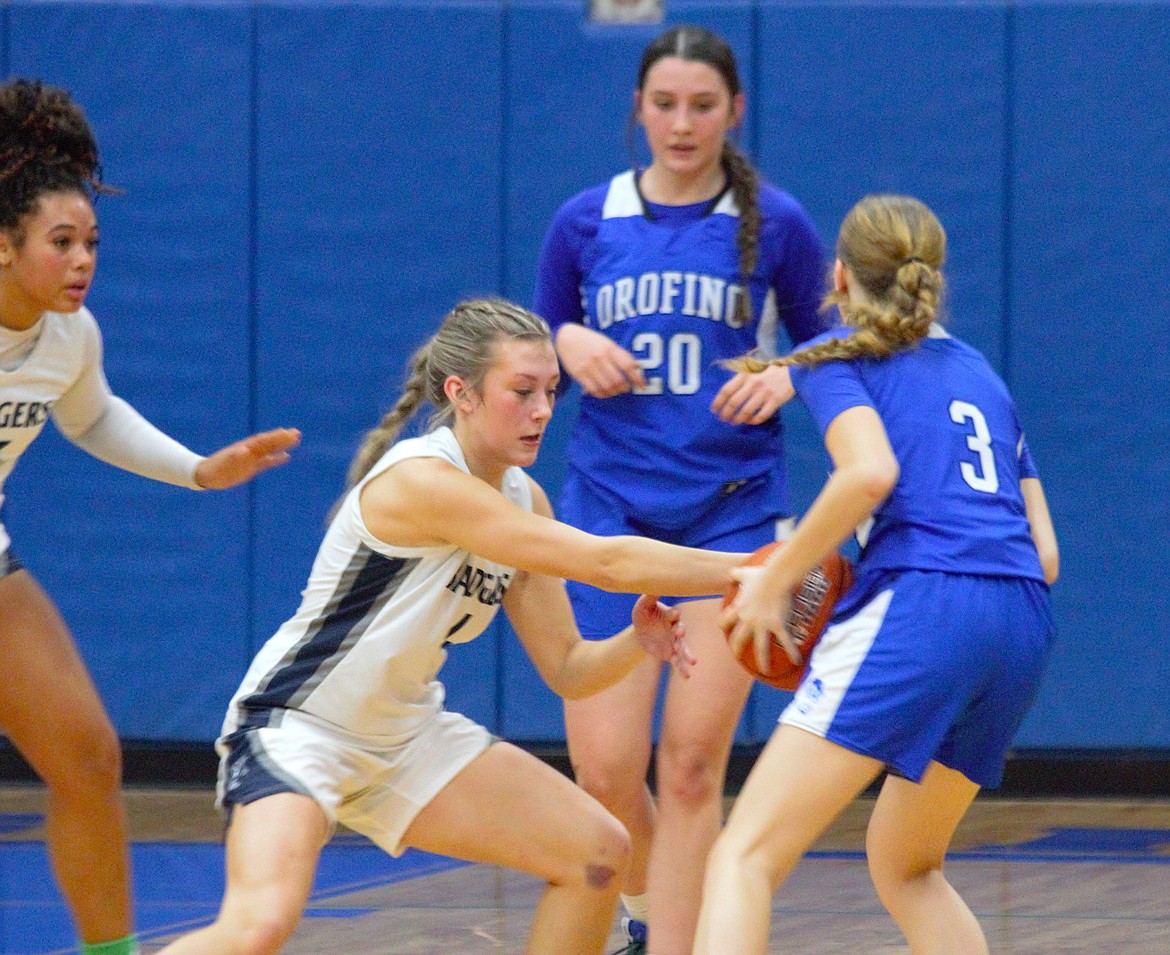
(51, 367)
(934, 655)
(340, 717)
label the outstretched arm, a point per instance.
(102, 424)
(424, 502)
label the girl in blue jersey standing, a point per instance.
(649, 281)
(935, 654)
(51, 366)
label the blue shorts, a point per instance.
(922, 666)
(744, 518)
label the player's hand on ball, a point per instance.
(658, 628)
(756, 615)
(773, 630)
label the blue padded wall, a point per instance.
(153, 579)
(311, 185)
(1090, 355)
(376, 211)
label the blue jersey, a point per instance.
(957, 505)
(663, 282)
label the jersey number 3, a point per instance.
(982, 477)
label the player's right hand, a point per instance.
(601, 367)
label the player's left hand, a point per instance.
(243, 460)
(659, 630)
(753, 397)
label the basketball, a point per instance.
(812, 606)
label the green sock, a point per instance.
(121, 946)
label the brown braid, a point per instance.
(745, 189)
(894, 248)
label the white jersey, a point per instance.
(363, 651)
(55, 369)
(64, 348)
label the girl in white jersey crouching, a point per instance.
(340, 717)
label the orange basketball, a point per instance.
(812, 606)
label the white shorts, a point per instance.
(374, 791)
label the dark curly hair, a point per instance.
(46, 146)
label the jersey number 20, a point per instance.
(682, 354)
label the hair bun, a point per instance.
(46, 119)
(46, 145)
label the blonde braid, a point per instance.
(379, 438)
(894, 247)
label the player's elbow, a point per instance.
(875, 479)
(1050, 562)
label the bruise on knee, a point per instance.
(599, 876)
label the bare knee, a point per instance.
(604, 856)
(892, 875)
(732, 854)
(261, 930)
(689, 777)
(614, 785)
(86, 763)
(266, 935)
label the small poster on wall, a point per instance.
(626, 11)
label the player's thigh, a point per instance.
(799, 784)
(913, 823)
(701, 712)
(506, 807)
(273, 845)
(610, 732)
(44, 674)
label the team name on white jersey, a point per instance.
(667, 293)
(475, 582)
(24, 414)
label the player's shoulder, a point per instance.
(780, 205)
(939, 337)
(68, 331)
(585, 204)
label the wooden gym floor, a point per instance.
(1043, 876)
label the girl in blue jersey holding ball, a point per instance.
(935, 654)
(648, 281)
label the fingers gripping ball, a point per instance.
(812, 607)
